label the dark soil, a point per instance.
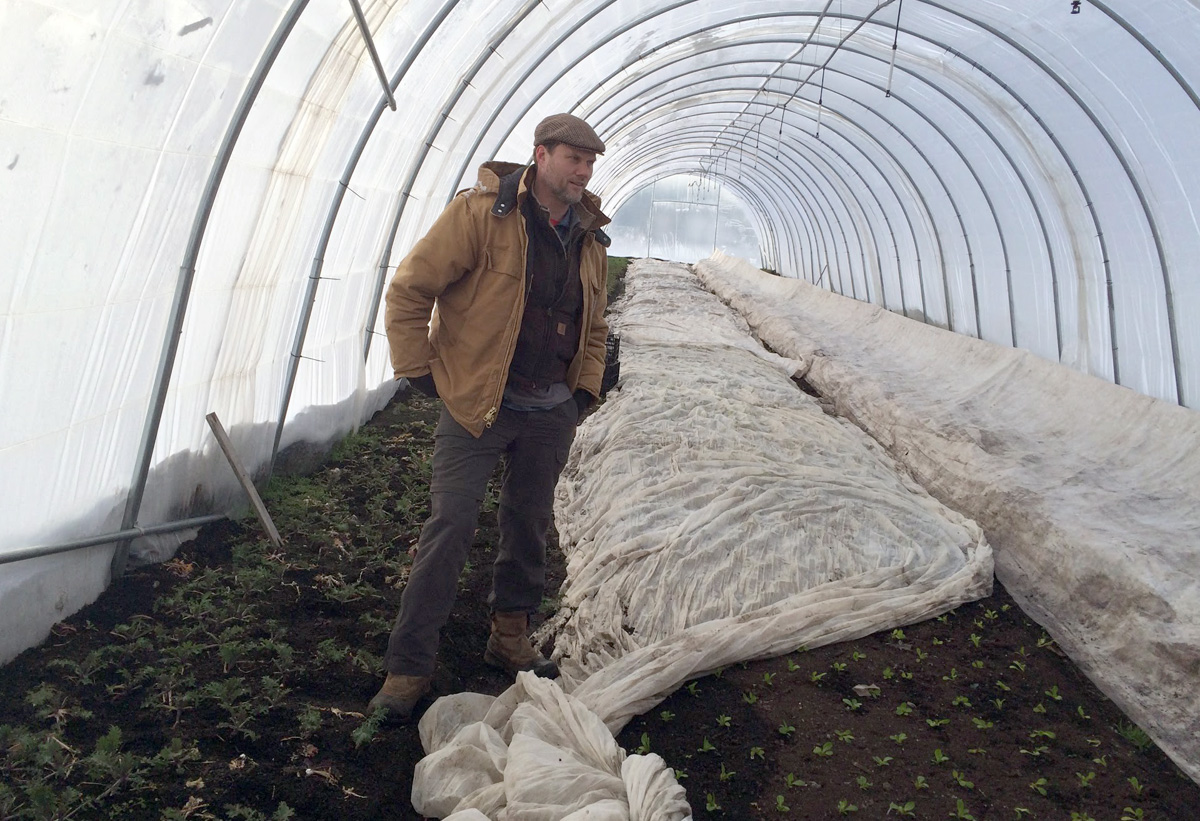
(237, 676)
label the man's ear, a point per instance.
(540, 153)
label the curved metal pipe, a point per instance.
(1172, 330)
(187, 273)
(707, 132)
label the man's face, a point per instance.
(564, 171)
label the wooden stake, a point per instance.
(255, 500)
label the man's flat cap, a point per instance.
(569, 129)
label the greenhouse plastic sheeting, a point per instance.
(1089, 493)
(713, 513)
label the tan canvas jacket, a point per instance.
(454, 306)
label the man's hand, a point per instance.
(584, 401)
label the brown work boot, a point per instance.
(399, 695)
(509, 647)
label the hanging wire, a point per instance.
(895, 41)
(820, 103)
(843, 37)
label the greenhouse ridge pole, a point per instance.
(183, 285)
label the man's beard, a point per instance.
(567, 194)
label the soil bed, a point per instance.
(236, 677)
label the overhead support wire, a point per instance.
(820, 103)
(801, 83)
(958, 213)
(370, 41)
(790, 172)
(887, 91)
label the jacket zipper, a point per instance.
(489, 418)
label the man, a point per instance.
(513, 274)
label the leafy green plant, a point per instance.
(366, 731)
(961, 811)
(863, 783)
(844, 807)
(908, 808)
(825, 749)
(725, 775)
(1135, 735)
(757, 752)
(780, 806)
(844, 735)
(644, 747)
(786, 730)
(309, 719)
(706, 746)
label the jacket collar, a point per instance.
(511, 183)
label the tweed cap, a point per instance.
(569, 129)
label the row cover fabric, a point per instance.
(711, 513)
(535, 754)
(1089, 492)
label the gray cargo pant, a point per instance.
(536, 444)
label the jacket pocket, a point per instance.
(504, 261)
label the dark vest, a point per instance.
(549, 335)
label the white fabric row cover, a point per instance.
(535, 754)
(1089, 493)
(711, 513)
